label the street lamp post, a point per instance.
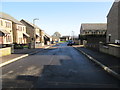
(34, 31)
(72, 35)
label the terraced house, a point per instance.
(47, 39)
(91, 34)
(35, 33)
(13, 30)
(19, 33)
(6, 30)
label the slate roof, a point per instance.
(8, 17)
(55, 37)
(66, 36)
(94, 26)
(31, 24)
(57, 34)
(47, 35)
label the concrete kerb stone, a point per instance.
(13, 60)
(47, 47)
(107, 69)
(20, 57)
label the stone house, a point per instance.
(16, 30)
(13, 31)
(112, 46)
(113, 23)
(56, 37)
(91, 34)
(36, 37)
(30, 30)
(65, 38)
(19, 33)
(6, 33)
(47, 39)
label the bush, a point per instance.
(25, 46)
(18, 47)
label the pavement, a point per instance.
(20, 53)
(109, 63)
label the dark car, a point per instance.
(69, 44)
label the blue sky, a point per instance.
(63, 17)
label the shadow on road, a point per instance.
(66, 70)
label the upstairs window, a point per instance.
(19, 28)
(23, 29)
(1, 22)
(8, 24)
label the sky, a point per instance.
(63, 17)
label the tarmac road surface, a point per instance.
(59, 67)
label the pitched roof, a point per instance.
(94, 26)
(114, 6)
(31, 24)
(55, 37)
(57, 34)
(66, 36)
(8, 17)
(47, 35)
(4, 31)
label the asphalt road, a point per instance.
(58, 67)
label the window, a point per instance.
(104, 32)
(109, 37)
(98, 32)
(1, 22)
(19, 28)
(8, 38)
(90, 31)
(23, 28)
(85, 32)
(21, 40)
(93, 32)
(8, 24)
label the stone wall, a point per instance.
(5, 51)
(93, 41)
(110, 49)
(119, 21)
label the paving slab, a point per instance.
(20, 53)
(110, 61)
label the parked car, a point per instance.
(69, 44)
